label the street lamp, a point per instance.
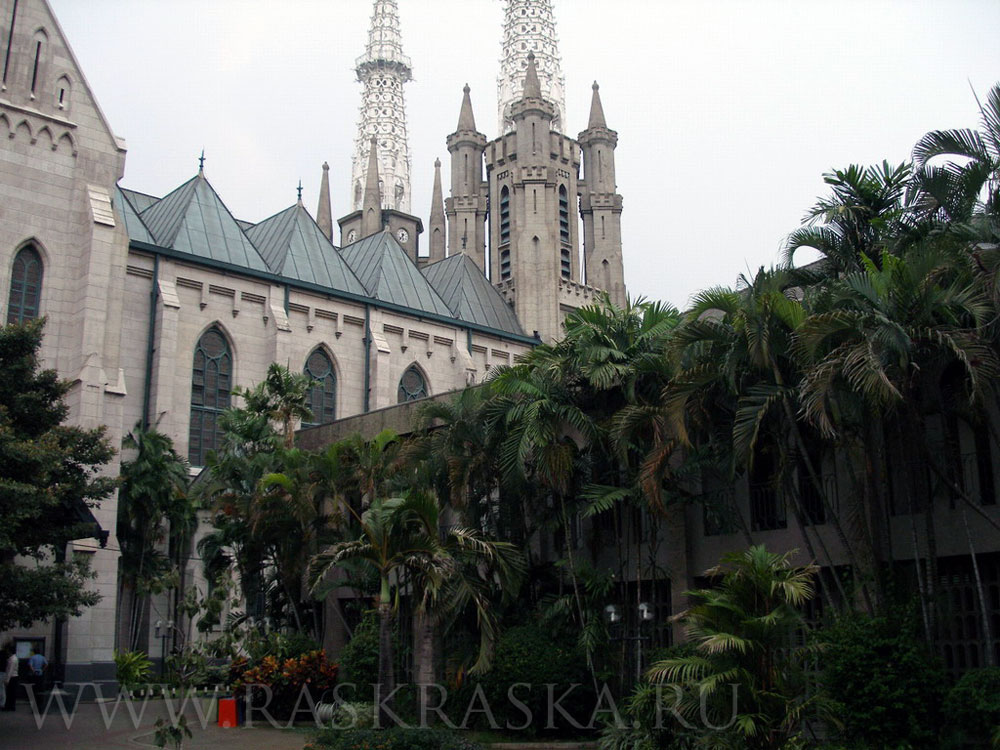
(644, 613)
(162, 632)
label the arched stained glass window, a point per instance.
(411, 386)
(211, 383)
(322, 398)
(25, 286)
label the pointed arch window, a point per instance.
(322, 398)
(411, 386)
(25, 286)
(211, 384)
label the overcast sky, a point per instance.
(728, 112)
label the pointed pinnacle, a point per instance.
(437, 199)
(324, 214)
(596, 110)
(371, 205)
(532, 86)
(466, 120)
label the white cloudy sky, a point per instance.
(728, 111)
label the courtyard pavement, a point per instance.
(90, 729)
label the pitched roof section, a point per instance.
(141, 201)
(389, 275)
(193, 219)
(133, 224)
(469, 295)
(294, 246)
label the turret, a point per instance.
(437, 223)
(532, 116)
(600, 205)
(466, 208)
(324, 215)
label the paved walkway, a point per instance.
(91, 729)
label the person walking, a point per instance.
(10, 680)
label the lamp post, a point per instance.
(644, 616)
(163, 632)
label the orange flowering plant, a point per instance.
(286, 678)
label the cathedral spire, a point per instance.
(437, 224)
(466, 120)
(529, 28)
(324, 216)
(371, 209)
(383, 69)
(532, 86)
(596, 110)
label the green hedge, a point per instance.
(889, 686)
(973, 708)
(529, 654)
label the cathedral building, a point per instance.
(158, 306)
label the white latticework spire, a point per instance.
(383, 70)
(529, 26)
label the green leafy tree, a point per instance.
(745, 632)
(268, 506)
(49, 477)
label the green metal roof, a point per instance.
(469, 294)
(389, 275)
(293, 246)
(133, 224)
(194, 220)
(141, 201)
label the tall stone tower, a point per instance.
(601, 205)
(383, 69)
(529, 27)
(534, 247)
(466, 208)
(534, 185)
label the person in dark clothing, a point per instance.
(11, 680)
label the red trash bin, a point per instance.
(227, 712)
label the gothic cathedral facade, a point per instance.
(158, 306)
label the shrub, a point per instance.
(390, 739)
(354, 715)
(888, 684)
(132, 668)
(280, 646)
(973, 707)
(359, 658)
(286, 680)
(529, 654)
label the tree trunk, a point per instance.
(980, 595)
(386, 663)
(423, 655)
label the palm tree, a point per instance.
(152, 505)
(863, 214)
(959, 191)
(892, 336)
(401, 541)
(737, 387)
(744, 631)
(282, 396)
